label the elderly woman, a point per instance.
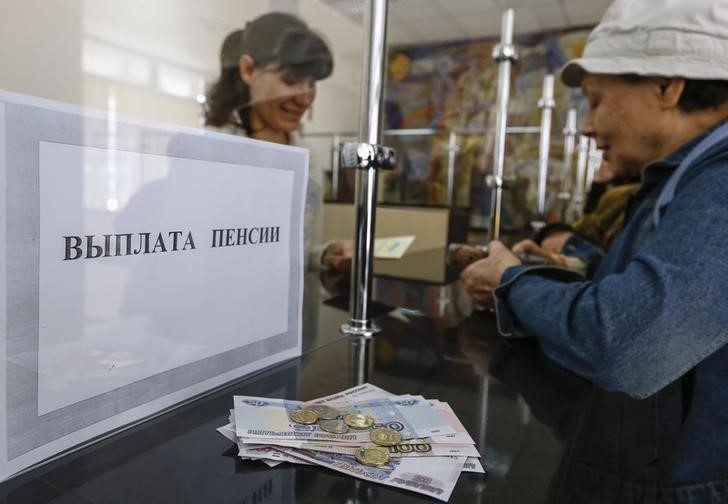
(650, 328)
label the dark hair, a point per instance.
(277, 39)
(703, 94)
(697, 95)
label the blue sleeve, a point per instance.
(583, 249)
(637, 330)
(508, 325)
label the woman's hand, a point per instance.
(529, 247)
(337, 256)
(483, 276)
(554, 242)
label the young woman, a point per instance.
(267, 83)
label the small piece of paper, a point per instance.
(392, 248)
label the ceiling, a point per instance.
(417, 21)
(180, 31)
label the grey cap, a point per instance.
(669, 38)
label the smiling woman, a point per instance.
(267, 79)
(267, 83)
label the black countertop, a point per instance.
(428, 346)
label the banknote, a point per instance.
(368, 391)
(435, 450)
(459, 437)
(426, 420)
(401, 450)
(353, 394)
(273, 457)
(263, 418)
(473, 465)
(228, 431)
(460, 434)
(268, 453)
(435, 477)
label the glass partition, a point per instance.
(138, 81)
(442, 82)
(145, 244)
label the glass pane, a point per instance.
(442, 77)
(157, 62)
(107, 99)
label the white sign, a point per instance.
(146, 264)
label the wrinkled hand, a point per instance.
(483, 276)
(531, 248)
(338, 256)
(555, 241)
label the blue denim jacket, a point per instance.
(650, 328)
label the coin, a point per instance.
(385, 437)
(324, 412)
(358, 421)
(304, 416)
(372, 456)
(334, 426)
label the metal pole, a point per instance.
(546, 104)
(452, 149)
(370, 131)
(581, 162)
(505, 54)
(359, 360)
(411, 132)
(335, 166)
(522, 130)
(594, 160)
(483, 412)
(569, 147)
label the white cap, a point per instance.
(669, 38)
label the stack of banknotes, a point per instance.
(405, 441)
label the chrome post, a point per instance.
(202, 117)
(335, 166)
(483, 412)
(359, 360)
(522, 130)
(581, 162)
(443, 299)
(594, 161)
(505, 54)
(452, 150)
(569, 146)
(546, 104)
(368, 157)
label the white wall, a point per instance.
(40, 48)
(337, 101)
(151, 58)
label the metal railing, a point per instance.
(369, 157)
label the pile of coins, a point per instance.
(329, 420)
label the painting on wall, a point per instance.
(451, 88)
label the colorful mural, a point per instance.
(452, 87)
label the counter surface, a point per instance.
(428, 346)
